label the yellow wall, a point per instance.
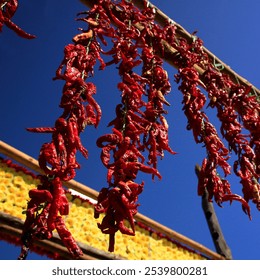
(146, 244)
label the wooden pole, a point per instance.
(214, 227)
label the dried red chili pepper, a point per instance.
(7, 10)
(119, 204)
(47, 203)
(228, 98)
(139, 123)
(234, 103)
(67, 238)
(58, 157)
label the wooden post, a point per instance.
(213, 224)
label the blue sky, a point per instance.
(30, 98)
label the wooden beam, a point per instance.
(27, 161)
(13, 227)
(32, 164)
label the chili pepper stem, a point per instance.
(2, 6)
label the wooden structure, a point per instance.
(152, 240)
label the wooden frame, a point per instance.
(31, 163)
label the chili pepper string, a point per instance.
(194, 101)
(219, 89)
(204, 132)
(246, 147)
(58, 158)
(134, 117)
(7, 10)
(118, 201)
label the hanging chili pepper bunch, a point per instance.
(204, 132)
(57, 158)
(7, 11)
(233, 102)
(47, 203)
(139, 124)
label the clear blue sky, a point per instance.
(29, 98)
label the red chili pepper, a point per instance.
(140, 114)
(7, 11)
(228, 98)
(58, 157)
(67, 238)
(118, 203)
